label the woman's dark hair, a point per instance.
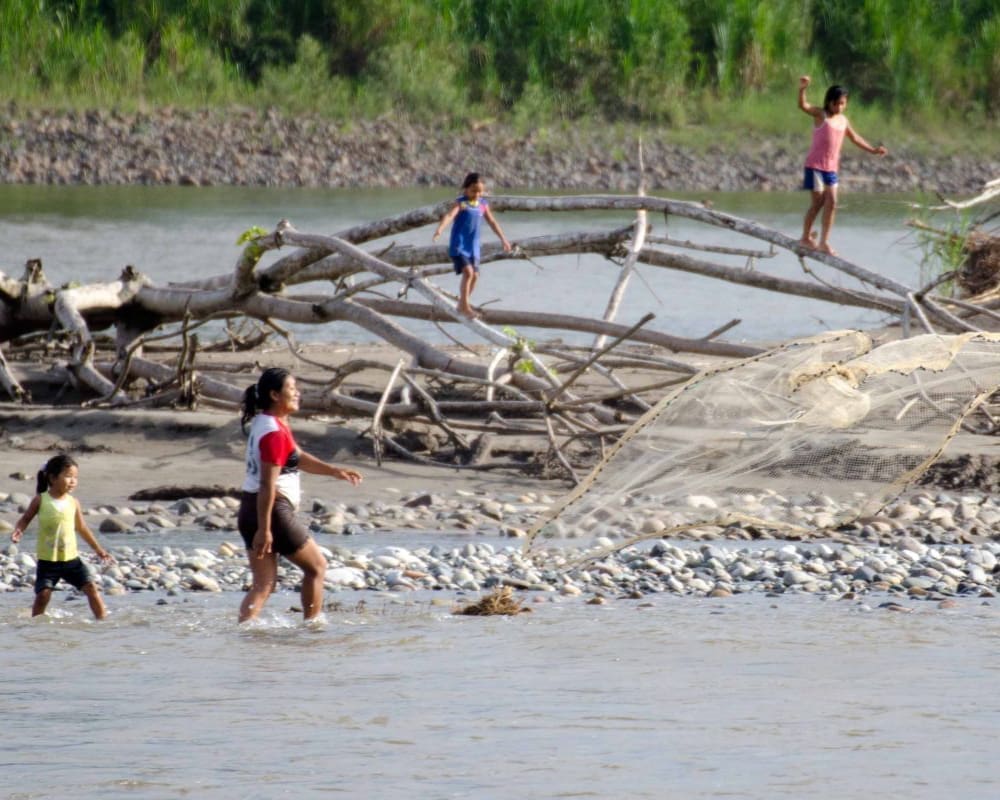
(833, 94)
(471, 178)
(258, 396)
(53, 469)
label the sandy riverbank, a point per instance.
(125, 452)
(122, 453)
(933, 545)
(128, 451)
(158, 472)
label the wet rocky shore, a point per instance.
(244, 147)
(932, 545)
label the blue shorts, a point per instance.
(815, 179)
(74, 572)
(461, 262)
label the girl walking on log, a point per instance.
(467, 215)
(271, 494)
(829, 128)
(59, 521)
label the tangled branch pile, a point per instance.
(503, 402)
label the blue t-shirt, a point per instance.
(465, 229)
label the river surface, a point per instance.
(181, 233)
(749, 697)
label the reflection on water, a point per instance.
(749, 697)
(175, 233)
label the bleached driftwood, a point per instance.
(544, 390)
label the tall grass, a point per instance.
(669, 62)
(903, 53)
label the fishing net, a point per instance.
(806, 437)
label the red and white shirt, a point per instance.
(271, 442)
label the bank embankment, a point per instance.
(246, 147)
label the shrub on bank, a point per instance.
(659, 61)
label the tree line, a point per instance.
(644, 60)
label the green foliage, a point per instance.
(250, 234)
(250, 237)
(305, 84)
(574, 57)
(912, 53)
(183, 71)
(983, 64)
(353, 34)
(943, 250)
(663, 61)
(520, 363)
(741, 46)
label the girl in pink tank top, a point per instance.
(829, 128)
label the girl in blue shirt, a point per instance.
(467, 214)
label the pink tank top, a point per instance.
(825, 151)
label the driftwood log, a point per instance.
(570, 401)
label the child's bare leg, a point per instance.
(465, 291)
(829, 212)
(41, 602)
(95, 600)
(815, 204)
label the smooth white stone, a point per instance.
(204, 583)
(795, 577)
(788, 554)
(983, 558)
(943, 517)
(824, 520)
(905, 513)
(989, 517)
(350, 577)
(652, 526)
(978, 575)
(701, 501)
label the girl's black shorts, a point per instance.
(49, 573)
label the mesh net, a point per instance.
(804, 438)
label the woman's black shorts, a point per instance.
(289, 534)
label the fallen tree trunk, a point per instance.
(509, 387)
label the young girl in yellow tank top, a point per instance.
(59, 520)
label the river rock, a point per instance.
(347, 577)
(19, 499)
(203, 583)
